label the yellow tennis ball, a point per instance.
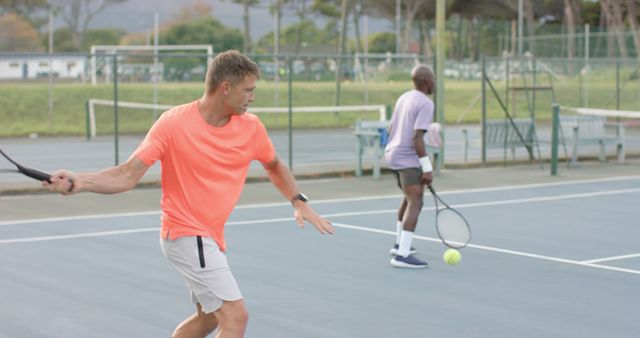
(452, 256)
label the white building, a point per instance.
(22, 67)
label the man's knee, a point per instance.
(208, 321)
(241, 318)
(233, 316)
(415, 201)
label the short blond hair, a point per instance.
(231, 66)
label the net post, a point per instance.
(554, 139)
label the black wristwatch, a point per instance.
(301, 197)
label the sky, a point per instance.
(137, 16)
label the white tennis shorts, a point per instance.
(205, 269)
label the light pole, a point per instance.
(398, 26)
(520, 19)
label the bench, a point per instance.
(592, 130)
(371, 139)
(500, 133)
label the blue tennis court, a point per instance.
(554, 259)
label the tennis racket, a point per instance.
(35, 174)
(453, 229)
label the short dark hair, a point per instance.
(231, 66)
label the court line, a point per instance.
(494, 249)
(499, 202)
(125, 232)
(614, 258)
(83, 235)
(447, 192)
(342, 214)
(590, 263)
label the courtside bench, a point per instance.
(371, 138)
(592, 130)
(501, 134)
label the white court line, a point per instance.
(83, 235)
(614, 258)
(74, 218)
(494, 249)
(447, 192)
(123, 232)
(342, 214)
(340, 225)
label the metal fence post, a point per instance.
(87, 120)
(116, 133)
(554, 139)
(484, 109)
(290, 104)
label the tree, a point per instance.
(28, 9)
(246, 5)
(633, 22)
(102, 37)
(205, 30)
(613, 18)
(382, 42)
(330, 10)
(305, 32)
(77, 14)
(572, 17)
(18, 35)
(300, 7)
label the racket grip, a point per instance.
(35, 174)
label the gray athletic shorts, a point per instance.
(205, 269)
(408, 176)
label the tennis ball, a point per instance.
(452, 256)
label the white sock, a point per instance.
(398, 231)
(406, 238)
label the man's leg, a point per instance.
(413, 194)
(199, 325)
(399, 228)
(399, 222)
(233, 318)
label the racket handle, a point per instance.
(35, 174)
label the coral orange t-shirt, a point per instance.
(203, 168)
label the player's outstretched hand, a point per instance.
(302, 212)
(62, 181)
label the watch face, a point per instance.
(301, 197)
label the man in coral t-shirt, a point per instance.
(205, 148)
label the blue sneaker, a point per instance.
(408, 262)
(394, 250)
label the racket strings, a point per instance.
(453, 228)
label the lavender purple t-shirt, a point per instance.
(413, 111)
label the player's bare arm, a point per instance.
(283, 180)
(108, 181)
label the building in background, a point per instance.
(21, 67)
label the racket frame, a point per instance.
(437, 199)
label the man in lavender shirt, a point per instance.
(406, 155)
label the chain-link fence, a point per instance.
(48, 95)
